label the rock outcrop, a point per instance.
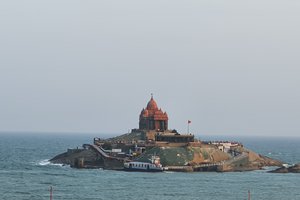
(292, 169)
(248, 161)
(76, 158)
(185, 156)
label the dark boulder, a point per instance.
(292, 169)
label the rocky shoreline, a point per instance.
(292, 169)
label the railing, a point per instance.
(102, 152)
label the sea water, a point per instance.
(25, 173)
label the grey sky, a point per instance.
(231, 67)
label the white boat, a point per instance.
(153, 166)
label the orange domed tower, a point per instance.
(152, 118)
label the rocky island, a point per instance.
(177, 152)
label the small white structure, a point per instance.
(116, 150)
(226, 146)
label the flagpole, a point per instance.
(50, 192)
(188, 126)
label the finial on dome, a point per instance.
(152, 104)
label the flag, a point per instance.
(189, 121)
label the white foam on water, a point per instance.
(168, 172)
(286, 165)
(47, 162)
(44, 162)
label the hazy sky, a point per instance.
(231, 67)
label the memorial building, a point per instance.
(154, 123)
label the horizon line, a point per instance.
(117, 134)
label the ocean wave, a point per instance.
(286, 165)
(276, 154)
(168, 172)
(47, 162)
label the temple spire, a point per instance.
(153, 118)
